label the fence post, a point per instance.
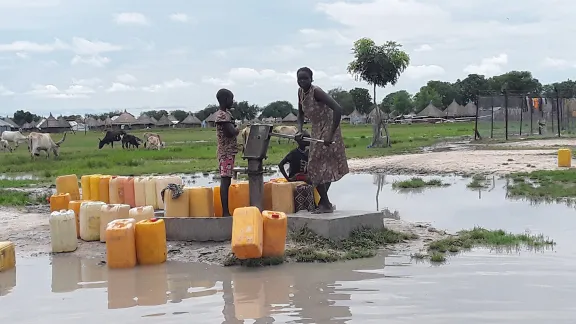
(557, 110)
(530, 106)
(506, 111)
(476, 133)
(492, 118)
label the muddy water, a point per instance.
(482, 286)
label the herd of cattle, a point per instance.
(37, 142)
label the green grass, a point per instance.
(553, 185)
(305, 246)
(18, 198)
(15, 183)
(194, 150)
(480, 237)
(415, 183)
(478, 182)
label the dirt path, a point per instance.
(28, 229)
(460, 162)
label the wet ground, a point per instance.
(482, 286)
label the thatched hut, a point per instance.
(454, 109)
(53, 125)
(290, 118)
(144, 121)
(125, 119)
(431, 111)
(469, 110)
(12, 124)
(163, 122)
(190, 121)
(357, 118)
(211, 120)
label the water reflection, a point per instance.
(306, 293)
(7, 281)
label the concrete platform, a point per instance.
(335, 226)
(338, 225)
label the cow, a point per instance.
(111, 137)
(130, 140)
(5, 146)
(43, 142)
(14, 137)
(147, 135)
(285, 130)
(153, 143)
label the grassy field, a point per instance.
(194, 150)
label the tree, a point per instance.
(516, 81)
(566, 89)
(344, 99)
(278, 109)
(399, 103)
(379, 66)
(425, 96)
(21, 117)
(179, 114)
(446, 90)
(470, 87)
(245, 111)
(362, 100)
(209, 110)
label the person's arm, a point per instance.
(229, 129)
(300, 121)
(281, 166)
(322, 96)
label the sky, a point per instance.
(90, 56)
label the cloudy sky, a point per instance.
(85, 56)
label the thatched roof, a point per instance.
(164, 121)
(125, 118)
(31, 125)
(469, 110)
(4, 124)
(454, 109)
(11, 122)
(430, 111)
(290, 118)
(191, 120)
(211, 118)
(373, 112)
(52, 122)
(355, 114)
(108, 120)
(172, 118)
(145, 120)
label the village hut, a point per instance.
(53, 125)
(469, 110)
(357, 118)
(211, 120)
(163, 122)
(290, 118)
(145, 121)
(431, 111)
(12, 124)
(125, 120)
(454, 109)
(4, 126)
(190, 121)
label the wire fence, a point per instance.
(508, 116)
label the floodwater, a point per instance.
(481, 286)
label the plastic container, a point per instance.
(275, 229)
(267, 199)
(129, 198)
(7, 256)
(90, 220)
(85, 183)
(63, 236)
(283, 197)
(151, 241)
(564, 158)
(121, 183)
(59, 202)
(217, 202)
(247, 236)
(201, 201)
(141, 213)
(104, 189)
(114, 198)
(161, 183)
(120, 244)
(150, 191)
(74, 205)
(238, 196)
(109, 213)
(95, 187)
(68, 184)
(139, 191)
(179, 207)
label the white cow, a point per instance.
(43, 142)
(285, 130)
(4, 146)
(14, 137)
(153, 143)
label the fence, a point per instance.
(508, 115)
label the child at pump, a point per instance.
(227, 134)
(297, 161)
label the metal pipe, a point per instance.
(305, 139)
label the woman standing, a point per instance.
(327, 162)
